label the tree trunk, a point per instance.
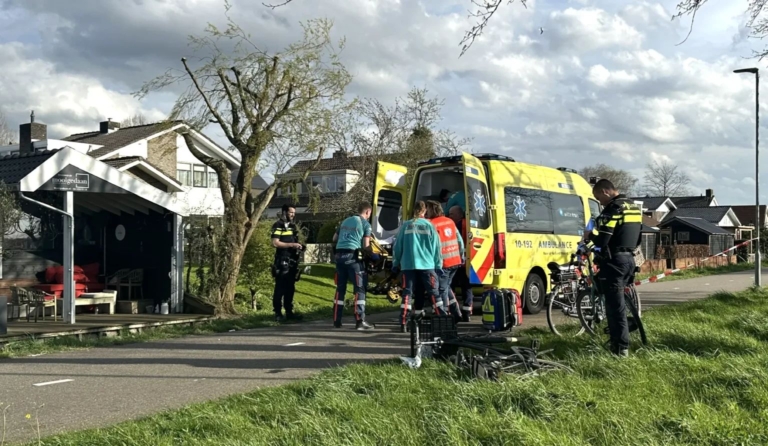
(229, 250)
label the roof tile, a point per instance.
(119, 138)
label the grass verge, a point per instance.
(703, 271)
(313, 298)
(700, 382)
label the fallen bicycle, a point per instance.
(484, 355)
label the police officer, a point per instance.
(351, 239)
(614, 240)
(285, 269)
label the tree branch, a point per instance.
(241, 92)
(211, 108)
(236, 131)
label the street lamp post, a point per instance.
(756, 72)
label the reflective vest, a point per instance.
(449, 242)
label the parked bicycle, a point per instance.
(569, 283)
(591, 310)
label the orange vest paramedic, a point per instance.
(452, 250)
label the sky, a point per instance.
(607, 81)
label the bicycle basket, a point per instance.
(443, 327)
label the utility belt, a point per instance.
(610, 253)
(283, 265)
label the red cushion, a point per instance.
(79, 276)
(91, 271)
(50, 274)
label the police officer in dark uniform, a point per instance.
(285, 269)
(614, 240)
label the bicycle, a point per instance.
(591, 311)
(568, 283)
(482, 354)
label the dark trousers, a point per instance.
(615, 274)
(461, 280)
(285, 287)
(446, 292)
(349, 268)
(416, 284)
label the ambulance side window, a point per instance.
(594, 208)
(479, 215)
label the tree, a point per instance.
(623, 180)
(405, 132)
(134, 120)
(664, 179)
(7, 136)
(273, 108)
(255, 273)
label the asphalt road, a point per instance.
(103, 386)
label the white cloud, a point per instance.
(68, 102)
(604, 82)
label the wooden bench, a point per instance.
(104, 298)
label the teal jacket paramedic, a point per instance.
(351, 232)
(417, 247)
(457, 199)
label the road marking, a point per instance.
(706, 284)
(52, 382)
(294, 344)
(677, 288)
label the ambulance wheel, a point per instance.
(533, 294)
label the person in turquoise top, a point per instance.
(418, 254)
(457, 199)
(352, 236)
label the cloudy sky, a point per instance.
(605, 82)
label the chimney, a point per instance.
(108, 126)
(29, 133)
(710, 193)
(339, 154)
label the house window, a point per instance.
(213, 180)
(330, 184)
(184, 174)
(683, 236)
(316, 183)
(341, 183)
(199, 177)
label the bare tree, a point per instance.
(403, 133)
(664, 179)
(623, 180)
(7, 136)
(134, 120)
(269, 106)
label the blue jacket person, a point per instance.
(352, 238)
(285, 269)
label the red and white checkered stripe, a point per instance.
(673, 271)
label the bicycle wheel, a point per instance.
(634, 305)
(591, 311)
(562, 317)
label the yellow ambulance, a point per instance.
(519, 216)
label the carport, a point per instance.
(121, 220)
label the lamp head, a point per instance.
(746, 70)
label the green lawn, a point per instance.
(701, 382)
(314, 298)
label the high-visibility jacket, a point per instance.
(451, 242)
